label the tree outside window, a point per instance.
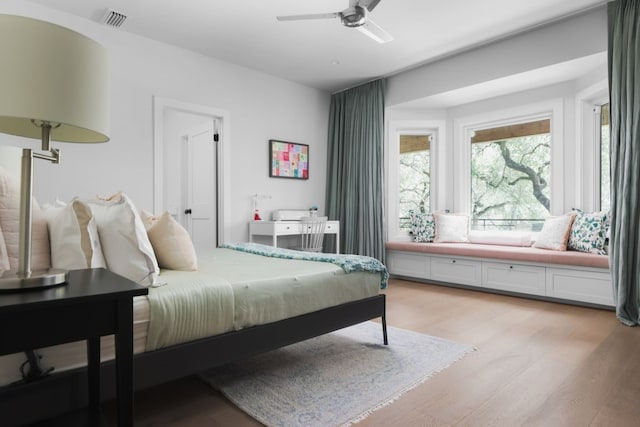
(414, 176)
(510, 176)
(605, 172)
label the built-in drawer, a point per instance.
(284, 228)
(456, 270)
(527, 279)
(331, 228)
(409, 265)
(580, 285)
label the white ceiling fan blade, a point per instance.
(310, 16)
(374, 31)
(367, 4)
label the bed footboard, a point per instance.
(66, 391)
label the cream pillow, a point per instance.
(171, 242)
(451, 228)
(555, 233)
(10, 225)
(125, 244)
(74, 236)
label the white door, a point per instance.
(199, 210)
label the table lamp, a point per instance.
(54, 87)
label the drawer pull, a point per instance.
(454, 261)
(511, 266)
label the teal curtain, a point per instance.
(624, 92)
(355, 168)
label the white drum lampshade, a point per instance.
(53, 87)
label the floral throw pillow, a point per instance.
(589, 232)
(423, 227)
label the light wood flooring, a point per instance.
(536, 364)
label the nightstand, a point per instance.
(93, 303)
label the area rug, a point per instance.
(335, 379)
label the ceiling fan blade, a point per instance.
(374, 31)
(367, 4)
(311, 16)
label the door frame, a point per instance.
(223, 156)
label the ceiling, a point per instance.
(322, 53)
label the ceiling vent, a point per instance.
(113, 19)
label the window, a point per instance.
(414, 167)
(510, 176)
(414, 176)
(605, 174)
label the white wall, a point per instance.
(261, 107)
(429, 93)
(576, 37)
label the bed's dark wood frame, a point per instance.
(66, 391)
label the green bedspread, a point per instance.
(349, 263)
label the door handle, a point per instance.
(187, 211)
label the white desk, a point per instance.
(288, 228)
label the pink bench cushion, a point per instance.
(508, 253)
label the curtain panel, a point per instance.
(355, 193)
(624, 92)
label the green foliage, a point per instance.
(605, 172)
(510, 179)
(414, 184)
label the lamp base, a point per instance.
(37, 280)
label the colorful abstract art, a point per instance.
(288, 160)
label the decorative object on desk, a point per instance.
(335, 379)
(53, 83)
(255, 209)
(313, 211)
(288, 160)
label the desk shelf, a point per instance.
(274, 229)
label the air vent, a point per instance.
(113, 18)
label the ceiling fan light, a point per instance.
(354, 17)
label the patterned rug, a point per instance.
(335, 379)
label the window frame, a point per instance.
(436, 130)
(465, 127)
(597, 135)
(588, 150)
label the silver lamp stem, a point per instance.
(26, 195)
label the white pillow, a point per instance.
(500, 237)
(73, 235)
(451, 228)
(10, 225)
(555, 233)
(125, 244)
(171, 242)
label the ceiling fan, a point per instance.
(355, 16)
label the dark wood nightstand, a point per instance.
(93, 303)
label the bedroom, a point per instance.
(302, 117)
(249, 97)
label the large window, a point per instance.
(605, 174)
(510, 176)
(414, 176)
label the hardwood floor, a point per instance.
(536, 364)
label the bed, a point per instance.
(244, 299)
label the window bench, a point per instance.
(570, 276)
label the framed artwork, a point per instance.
(288, 160)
